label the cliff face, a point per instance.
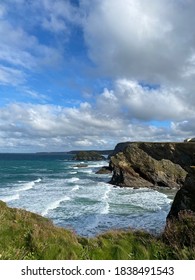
(137, 164)
(185, 197)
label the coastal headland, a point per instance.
(146, 164)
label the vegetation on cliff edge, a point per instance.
(25, 235)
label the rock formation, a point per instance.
(142, 164)
(88, 155)
(119, 148)
(104, 170)
(185, 197)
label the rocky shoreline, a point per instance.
(169, 165)
(157, 166)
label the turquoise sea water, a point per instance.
(77, 198)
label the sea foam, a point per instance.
(54, 205)
(72, 180)
(106, 206)
(11, 197)
(76, 188)
(28, 185)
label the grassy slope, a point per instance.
(24, 235)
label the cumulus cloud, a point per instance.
(149, 43)
(144, 103)
(50, 126)
(148, 40)
(184, 128)
(116, 115)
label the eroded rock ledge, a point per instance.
(142, 164)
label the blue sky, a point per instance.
(88, 74)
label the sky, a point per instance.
(88, 74)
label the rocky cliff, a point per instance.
(142, 164)
(88, 156)
(185, 197)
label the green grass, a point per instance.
(179, 234)
(124, 245)
(25, 235)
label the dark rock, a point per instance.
(119, 148)
(150, 165)
(185, 197)
(104, 170)
(88, 155)
(180, 153)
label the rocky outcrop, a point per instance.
(88, 155)
(104, 170)
(179, 153)
(185, 197)
(142, 164)
(119, 148)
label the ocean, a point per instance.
(76, 198)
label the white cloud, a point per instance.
(53, 24)
(49, 127)
(36, 95)
(184, 128)
(83, 143)
(150, 40)
(11, 76)
(20, 51)
(18, 48)
(143, 103)
(58, 14)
